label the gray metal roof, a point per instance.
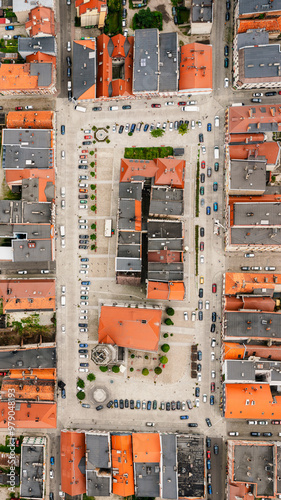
(97, 446)
(169, 466)
(248, 175)
(27, 148)
(262, 62)
(45, 44)
(44, 72)
(129, 264)
(239, 371)
(164, 229)
(98, 485)
(27, 5)
(24, 212)
(129, 238)
(168, 80)
(130, 190)
(157, 271)
(30, 190)
(147, 479)
(43, 251)
(159, 244)
(146, 61)
(258, 6)
(259, 472)
(44, 357)
(190, 466)
(83, 69)
(253, 325)
(255, 236)
(128, 251)
(166, 201)
(127, 214)
(201, 11)
(32, 468)
(253, 214)
(252, 37)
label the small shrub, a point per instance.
(166, 335)
(93, 187)
(158, 370)
(165, 347)
(91, 153)
(93, 247)
(107, 141)
(107, 126)
(146, 357)
(130, 134)
(94, 209)
(92, 164)
(93, 226)
(92, 174)
(131, 369)
(91, 377)
(103, 368)
(115, 369)
(80, 395)
(80, 383)
(170, 311)
(132, 356)
(168, 322)
(145, 372)
(93, 236)
(163, 360)
(93, 197)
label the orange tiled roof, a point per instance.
(16, 176)
(41, 20)
(42, 373)
(122, 465)
(165, 291)
(17, 77)
(72, 456)
(40, 57)
(164, 256)
(234, 350)
(146, 447)
(31, 389)
(236, 396)
(165, 171)
(195, 67)
(89, 5)
(273, 24)
(241, 117)
(30, 119)
(177, 291)
(255, 303)
(35, 416)
(136, 328)
(246, 138)
(240, 490)
(237, 283)
(270, 150)
(21, 292)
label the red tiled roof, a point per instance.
(17, 77)
(237, 283)
(30, 119)
(273, 24)
(122, 465)
(165, 171)
(236, 396)
(146, 447)
(28, 294)
(40, 57)
(72, 456)
(255, 303)
(177, 291)
(165, 291)
(41, 20)
(240, 117)
(85, 5)
(136, 328)
(195, 67)
(16, 176)
(270, 150)
(233, 351)
(34, 416)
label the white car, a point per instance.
(213, 374)
(82, 185)
(226, 83)
(62, 328)
(204, 398)
(213, 342)
(158, 125)
(203, 150)
(83, 227)
(193, 316)
(183, 406)
(258, 94)
(28, 107)
(51, 474)
(171, 126)
(86, 132)
(197, 402)
(7, 37)
(217, 121)
(83, 207)
(85, 266)
(63, 243)
(192, 124)
(68, 47)
(199, 377)
(164, 126)
(202, 259)
(63, 204)
(83, 221)
(213, 357)
(207, 304)
(83, 370)
(84, 303)
(150, 424)
(84, 311)
(84, 288)
(169, 103)
(185, 315)
(113, 128)
(83, 356)
(82, 271)
(22, 272)
(199, 124)
(127, 127)
(83, 317)
(44, 271)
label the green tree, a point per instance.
(91, 377)
(130, 134)
(94, 208)
(93, 187)
(170, 311)
(93, 236)
(93, 226)
(115, 369)
(93, 247)
(168, 321)
(158, 132)
(183, 129)
(92, 174)
(144, 18)
(158, 370)
(103, 368)
(92, 164)
(81, 395)
(131, 369)
(91, 153)
(93, 196)
(163, 360)
(166, 335)
(165, 347)
(145, 372)
(80, 383)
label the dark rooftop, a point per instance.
(84, 69)
(252, 324)
(168, 80)
(254, 463)
(190, 466)
(147, 478)
(43, 357)
(146, 61)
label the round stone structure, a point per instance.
(99, 394)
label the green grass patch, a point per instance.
(148, 153)
(183, 15)
(146, 18)
(196, 248)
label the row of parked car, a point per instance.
(137, 127)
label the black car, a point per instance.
(186, 122)
(197, 392)
(213, 327)
(86, 143)
(109, 404)
(83, 247)
(214, 317)
(201, 138)
(226, 62)
(126, 403)
(68, 72)
(227, 5)
(126, 106)
(83, 351)
(123, 2)
(69, 95)
(83, 325)
(199, 366)
(268, 94)
(227, 16)
(132, 404)
(267, 434)
(178, 405)
(216, 166)
(51, 496)
(208, 442)
(202, 231)
(180, 123)
(209, 424)
(97, 108)
(192, 425)
(121, 128)
(100, 407)
(84, 236)
(226, 50)
(173, 405)
(216, 449)
(83, 197)
(245, 268)
(68, 60)
(124, 13)
(199, 355)
(202, 178)
(201, 292)
(121, 404)
(200, 315)
(175, 19)
(168, 406)
(255, 434)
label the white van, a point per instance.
(62, 231)
(62, 300)
(216, 152)
(69, 85)
(62, 192)
(80, 108)
(113, 108)
(217, 121)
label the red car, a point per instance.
(2, 374)
(19, 108)
(156, 105)
(276, 422)
(83, 157)
(213, 387)
(214, 287)
(203, 164)
(208, 455)
(87, 137)
(201, 246)
(84, 151)
(182, 103)
(279, 92)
